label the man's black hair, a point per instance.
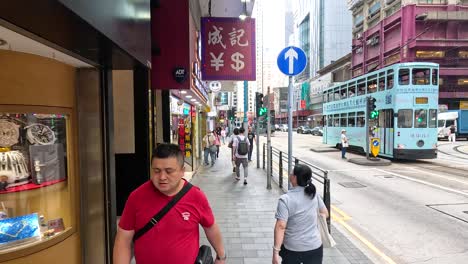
(241, 130)
(167, 150)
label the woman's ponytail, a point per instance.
(310, 189)
(304, 178)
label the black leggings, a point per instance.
(306, 257)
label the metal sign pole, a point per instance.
(290, 120)
(269, 172)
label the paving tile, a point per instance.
(246, 215)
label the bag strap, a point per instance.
(156, 218)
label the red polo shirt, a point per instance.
(175, 239)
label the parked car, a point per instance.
(303, 130)
(284, 128)
(317, 131)
(277, 127)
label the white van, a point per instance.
(446, 119)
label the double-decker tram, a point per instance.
(405, 117)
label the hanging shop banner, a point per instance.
(228, 48)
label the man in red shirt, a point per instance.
(175, 238)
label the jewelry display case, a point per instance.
(34, 196)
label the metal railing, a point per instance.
(279, 171)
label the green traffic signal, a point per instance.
(374, 114)
(262, 111)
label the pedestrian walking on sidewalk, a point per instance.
(175, 237)
(344, 143)
(209, 148)
(217, 143)
(223, 136)
(296, 236)
(251, 137)
(452, 135)
(241, 146)
(235, 133)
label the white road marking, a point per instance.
(438, 175)
(453, 161)
(424, 182)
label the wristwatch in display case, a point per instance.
(39, 134)
(9, 133)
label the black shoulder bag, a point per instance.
(155, 219)
(204, 253)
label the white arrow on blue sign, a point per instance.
(292, 61)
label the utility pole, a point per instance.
(268, 117)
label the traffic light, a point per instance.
(234, 113)
(373, 114)
(259, 103)
(229, 114)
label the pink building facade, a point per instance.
(414, 32)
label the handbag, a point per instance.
(204, 255)
(327, 239)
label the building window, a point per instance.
(462, 81)
(463, 2)
(430, 54)
(358, 20)
(432, 2)
(463, 53)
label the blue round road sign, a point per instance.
(375, 143)
(292, 61)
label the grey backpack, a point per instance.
(242, 146)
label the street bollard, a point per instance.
(280, 169)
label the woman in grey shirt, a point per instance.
(297, 238)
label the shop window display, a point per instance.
(34, 195)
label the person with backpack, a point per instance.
(209, 148)
(231, 140)
(240, 148)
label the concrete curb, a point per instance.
(324, 149)
(366, 162)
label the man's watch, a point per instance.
(221, 258)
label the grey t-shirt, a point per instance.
(300, 213)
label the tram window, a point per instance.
(343, 92)
(434, 77)
(389, 79)
(352, 90)
(382, 83)
(330, 120)
(330, 96)
(361, 88)
(372, 86)
(325, 97)
(405, 118)
(403, 77)
(344, 120)
(421, 76)
(337, 94)
(420, 118)
(352, 119)
(432, 118)
(336, 120)
(361, 121)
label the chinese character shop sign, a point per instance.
(228, 48)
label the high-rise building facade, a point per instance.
(391, 31)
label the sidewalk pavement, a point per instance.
(246, 215)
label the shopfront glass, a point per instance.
(182, 128)
(35, 201)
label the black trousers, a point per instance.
(305, 257)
